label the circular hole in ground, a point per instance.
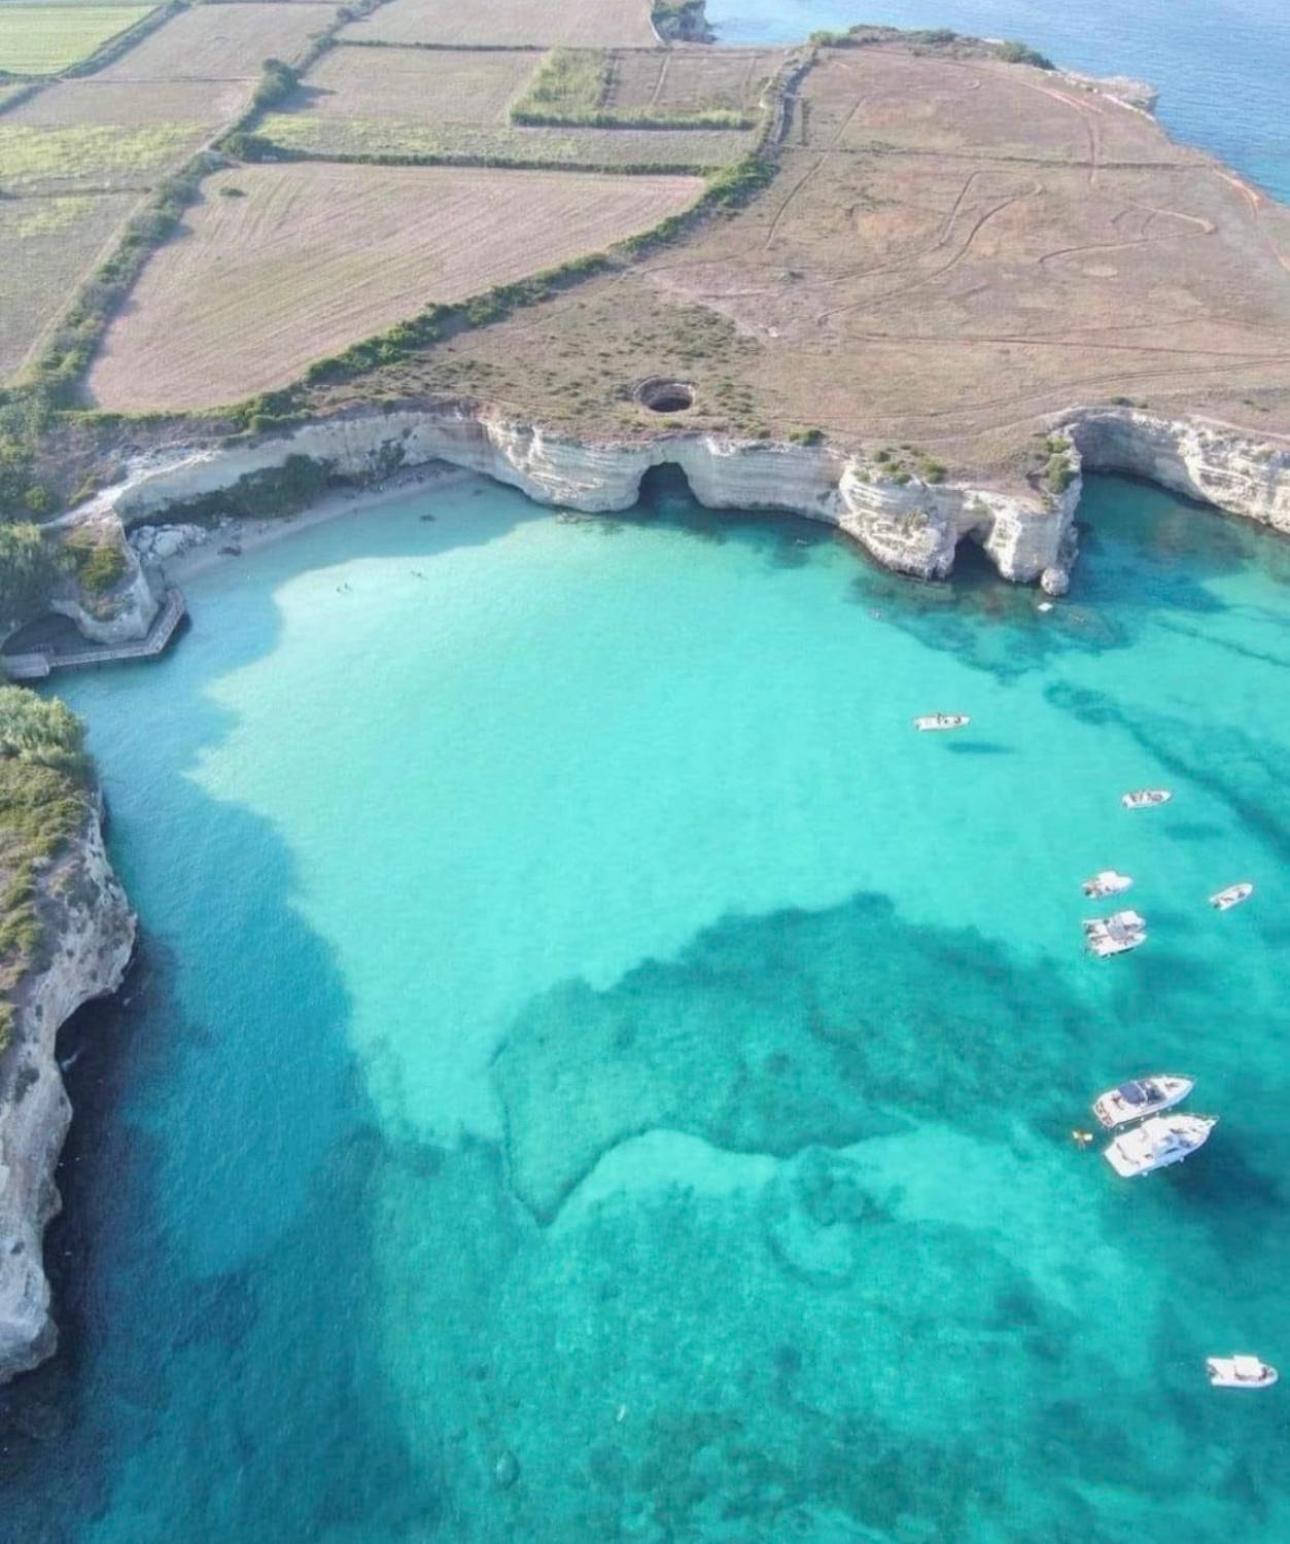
(663, 396)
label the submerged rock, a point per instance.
(506, 1470)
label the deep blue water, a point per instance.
(594, 1074)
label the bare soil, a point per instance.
(508, 23)
(303, 259)
(954, 251)
(221, 42)
(690, 80)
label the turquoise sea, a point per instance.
(594, 1073)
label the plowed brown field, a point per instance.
(508, 23)
(312, 257)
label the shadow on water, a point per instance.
(221, 1363)
(1146, 556)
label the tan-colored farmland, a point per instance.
(87, 134)
(453, 103)
(677, 81)
(417, 84)
(221, 42)
(46, 246)
(510, 23)
(305, 259)
(1006, 246)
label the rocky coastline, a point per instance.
(91, 932)
(906, 523)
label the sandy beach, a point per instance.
(250, 535)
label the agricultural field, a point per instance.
(282, 265)
(509, 23)
(86, 134)
(700, 88)
(44, 39)
(929, 290)
(682, 82)
(388, 102)
(221, 42)
(46, 246)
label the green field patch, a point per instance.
(32, 155)
(415, 139)
(44, 39)
(577, 87)
(48, 245)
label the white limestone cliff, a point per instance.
(906, 523)
(909, 525)
(1227, 467)
(91, 932)
(124, 614)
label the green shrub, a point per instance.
(806, 436)
(43, 777)
(1013, 52)
(28, 572)
(1059, 473)
(97, 563)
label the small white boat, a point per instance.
(942, 721)
(1157, 1143)
(1240, 1372)
(1141, 1097)
(1116, 934)
(1232, 896)
(1146, 798)
(1106, 882)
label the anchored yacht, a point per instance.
(1158, 1142)
(1146, 798)
(942, 721)
(1232, 896)
(1116, 934)
(1240, 1372)
(1141, 1097)
(1106, 882)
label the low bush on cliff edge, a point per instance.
(44, 775)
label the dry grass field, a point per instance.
(44, 39)
(678, 81)
(445, 102)
(83, 134)
(46, 246)
(510, 23)
(1004, 247)
(431, 85)
(282, 265)
(221, 42)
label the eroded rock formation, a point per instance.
(91, 932)
(907, 523)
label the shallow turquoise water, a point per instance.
(584, 1028)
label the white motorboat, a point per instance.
(1106, 882)
(1116, 934)
(942, 721)
(1232, 896)
(1146, 798)
(1141, 1097)
(1157, 1143)
(1240, 1372)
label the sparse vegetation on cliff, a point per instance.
(44, 777)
